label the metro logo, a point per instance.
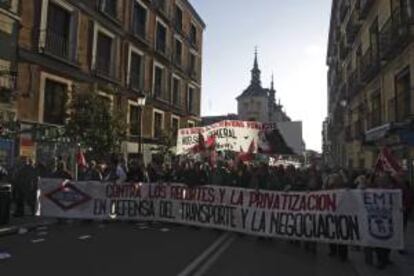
(67, 196)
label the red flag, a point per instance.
(248, 156)
(386, 162)
(80, 159)
(211, 142)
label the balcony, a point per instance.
(394, 35)
(140, 32)
(162, 7)
(365, 7)
(370, 65)
(58, 46)
(162, 50)
(352, 27)
(104, 68)
(354, 84)
(136, 82)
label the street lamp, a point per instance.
(141, 103)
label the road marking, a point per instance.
(164, 230)
(43, 233)
(203, 257)
(22, 231)
(38, 240)
(41, 228)
(143, 227)
(4, 255)
(85, 237)
(209, 263)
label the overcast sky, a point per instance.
(291, 37)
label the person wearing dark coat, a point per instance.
(61, 171)
(93, 173)
(25, 183)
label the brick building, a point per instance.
(371, 61)
(9, 26)
(121, 49)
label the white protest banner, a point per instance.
(355, 217)
(239, 136)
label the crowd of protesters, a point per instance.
(223, 173)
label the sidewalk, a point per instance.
(402, 264)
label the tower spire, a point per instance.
(256, 71)
(272, 84)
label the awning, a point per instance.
(377, 133)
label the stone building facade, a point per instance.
(371, 71)
(119, 49)
(9, 28)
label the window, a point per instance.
(190, 100)
(55, 97)
(176, 91)
(136, 70)
(158, 81)
(190, 124)
(104, 52)
(192, 65)
(109, 7)
(158, 124)
(58, 30)
(175, 125)
(178, 18)
(178, 52)
(134, 120)
(193, 35)
(161, 38)
(140, 20)
(161, 5)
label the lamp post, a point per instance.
(141, 103)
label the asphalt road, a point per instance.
(156, 249)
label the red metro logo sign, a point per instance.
(67, 196)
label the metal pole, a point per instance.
(140, 132)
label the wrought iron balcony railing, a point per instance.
(58, 45)
(103, 67)
(395, 34)
(370, 64)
